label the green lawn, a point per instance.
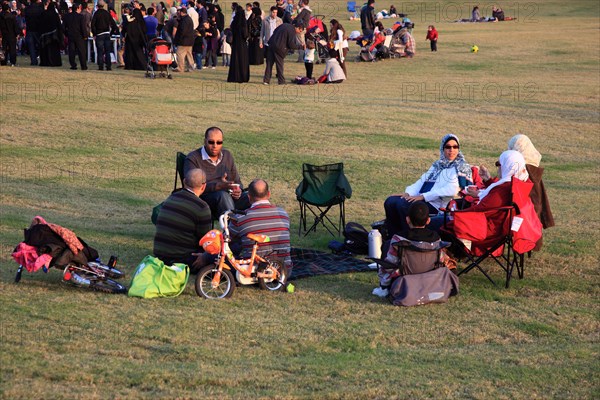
(96, 151)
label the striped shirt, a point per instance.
(183, 219)
(266, 219)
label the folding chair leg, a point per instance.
(475, 264)
(302, 224)
(521, 266)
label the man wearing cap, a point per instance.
(223, 184)
(102, 26)
(183, 219)
(284, 39)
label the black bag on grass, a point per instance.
(356, 238)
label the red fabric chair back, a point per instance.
(527, 224)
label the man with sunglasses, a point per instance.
(223, 184)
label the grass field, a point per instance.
(95, 152)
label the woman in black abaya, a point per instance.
(239, 68)
(255, 52)
(135, 42)
(51, 37)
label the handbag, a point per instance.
(152, 278)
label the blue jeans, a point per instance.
(33, 44)
(222, 201)
(103, 44)
(198, 60)
(396, 211)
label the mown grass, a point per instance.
(94, 152)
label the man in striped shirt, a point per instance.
(262, 218)
(183, 219)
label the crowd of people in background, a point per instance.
(44, 30)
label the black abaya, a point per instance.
(255, 53)
(135, 42)
(239, 68)
(51, 38)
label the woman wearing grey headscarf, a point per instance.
(436, 187)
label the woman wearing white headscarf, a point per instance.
(436, 187)
(499, 194)
(511, 163)
(539, 198)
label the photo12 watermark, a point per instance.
(269, 94)
(69, 92)
(457, 11)
(469, 92)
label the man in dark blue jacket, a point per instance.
(102, 26)
(367, 18)
(32, 21)
(76, 30)
(184, 37)
(283, 39)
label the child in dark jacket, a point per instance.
(417, 219)
(198, 47)
(432, 36)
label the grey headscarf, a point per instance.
(461, 165)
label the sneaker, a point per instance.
(213, 68)
(380, 292)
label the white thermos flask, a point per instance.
(375, 242)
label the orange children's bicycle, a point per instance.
(216, 281)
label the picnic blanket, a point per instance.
(313, 262)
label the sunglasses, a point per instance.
(213, 142)
(497, 163)
(451, 147)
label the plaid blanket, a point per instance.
(312, 262)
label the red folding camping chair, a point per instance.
(504, 234)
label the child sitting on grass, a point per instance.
(417, 219)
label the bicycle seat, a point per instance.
(259, 238)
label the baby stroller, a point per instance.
(383, 50)
(160, 59)
(47, 245)
(317, 31)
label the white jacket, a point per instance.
(445, 188)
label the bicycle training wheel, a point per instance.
(273, 284)
(204, 287)
(107, 286)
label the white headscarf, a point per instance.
(523, 145)
(512, 164)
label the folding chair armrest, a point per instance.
(385, 264)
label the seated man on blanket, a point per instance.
(262, 218)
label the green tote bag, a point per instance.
(153, 278)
